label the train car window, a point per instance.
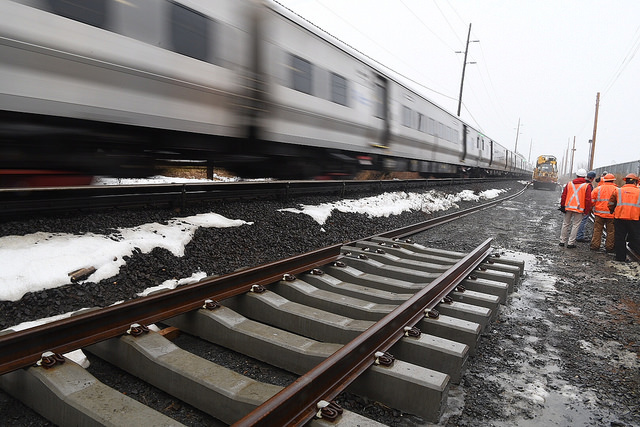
(422, 123)
(431, 126)
(381, 99)
(92, 12)
(189, 32)
(455, 136)
(406, 116)
(140, 20)
(339, 89)
(302, 77)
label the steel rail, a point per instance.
(23, 348)
(296, 404)
(425, 225)
(15, 201)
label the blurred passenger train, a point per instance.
(111, 87)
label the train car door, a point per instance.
(491, 152)
(463, 153)
(382, 110)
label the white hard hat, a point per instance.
(581, 172)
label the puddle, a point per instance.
(558, 408)
(532, 393)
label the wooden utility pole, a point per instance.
(595, 128)
(573, 152)
(566, 160)
(464, 66)
(515, 150)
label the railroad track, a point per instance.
(380, 317)
(27, 201)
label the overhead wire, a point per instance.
(631, 52)
(427, 27)
(404, 76)
(387, 67)
(451, 27)
(495, 104)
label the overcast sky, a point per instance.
(538, 61)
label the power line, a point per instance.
(409, 79)
(495, 104)
(425, 25)
(633, 49)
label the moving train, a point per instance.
(112, 87)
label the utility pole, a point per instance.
(464, 66)
(530, 144)
(595, 128)
(517, 133)
(565, 158)
(573, 152)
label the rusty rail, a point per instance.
(296, 404)
(425, 225)
(27, 201)
(23, 348)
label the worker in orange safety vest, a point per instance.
(574, 203)
(625, 206)
(603, 218)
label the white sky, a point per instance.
(538, 61)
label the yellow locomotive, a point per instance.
(545, 174)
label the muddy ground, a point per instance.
(565, 350)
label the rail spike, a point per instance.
(210, 304)
(136, 330)
(412, 332)
(50, 359)
(328, 410)
(258, 289)
(431, 313)
(383, 358)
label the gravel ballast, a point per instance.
(563, 351)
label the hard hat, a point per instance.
(591, 174)
(581, 172)
(609, 177)
(632, 176)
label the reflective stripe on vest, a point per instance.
(600, 196)
(575, 197)
(628, 204)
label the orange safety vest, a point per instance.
(600, 198)
(575, 197)
(628, 204)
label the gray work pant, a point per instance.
(570, 226)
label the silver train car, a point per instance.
(111, 87)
